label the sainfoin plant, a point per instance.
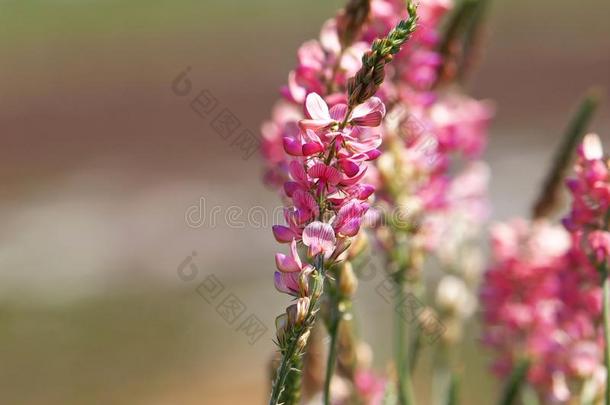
(375, 150)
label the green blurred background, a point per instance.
(100, 160)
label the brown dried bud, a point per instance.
(302, 342)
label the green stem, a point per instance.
(291, 352)
(405, 394)
(515, 381)
(453, 390)
(549, 197)
(332, 352)
(606, 310)
(292, 393)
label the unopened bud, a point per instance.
(348, 283)
(304, 282)
(297, 313)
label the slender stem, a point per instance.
(515, 381)
(282, 372)
(453, 390)
(332, 352)
(549, 198)
(405, 394)
(293, 349)
(606, 310)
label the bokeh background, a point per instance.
(100, 161)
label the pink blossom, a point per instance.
(319, 237)
(541, 300)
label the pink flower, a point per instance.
(368, 114)
(291, 269)
(541, 300)
(599, 242)
(348, 219)
(319, 237)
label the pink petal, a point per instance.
(287, 282)
(312, 148)
(292, 147)
(350, 211)
(306, 205)
(297, 172)
(290, 187)
(283, 234)
(337, 112)
(373, 154)
(372, 119)
(365, 191)
(346, 181)
(296, 92)
(314, 124)
(329, 38)
(326, 174)
(351, 227)
(349, 167)
(369, 114)
(285, 263)
(316, 107)
(319, 237)
(365, 145)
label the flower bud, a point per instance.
(304, 282)
(297, 313)
(348, 283)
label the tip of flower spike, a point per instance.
(592, 147)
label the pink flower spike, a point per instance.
(319, 237)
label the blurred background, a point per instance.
(101, 300)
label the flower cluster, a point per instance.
(590, 189)
(325, 64)
(542, 303)
(326, 193)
